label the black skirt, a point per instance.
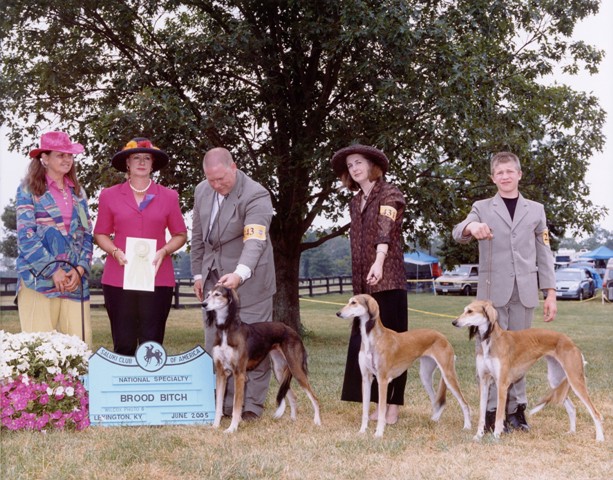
(393, 309)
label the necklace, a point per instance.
(365, 195)
(136, 190)
(64, 193)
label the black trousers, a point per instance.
(136, 317)
(393, 306)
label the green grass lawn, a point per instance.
(415, 447)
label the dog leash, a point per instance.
(489, 270)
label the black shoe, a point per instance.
(490, 422)
(517, 420)
(249, 416)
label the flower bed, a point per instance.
(39, 381)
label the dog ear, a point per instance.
(211, 316)
(472, 331)
(373, 306)
(233, 304)
(492, 317)
(490, 312)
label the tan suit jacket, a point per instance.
(519, 251)
(246, 205)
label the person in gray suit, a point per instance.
(231, 246)
(515, 260)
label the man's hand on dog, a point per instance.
(230, 280)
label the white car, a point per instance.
(462, 280)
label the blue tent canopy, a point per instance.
(600, 253)
(420, 258)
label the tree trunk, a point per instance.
(287, 265)
(286, 301)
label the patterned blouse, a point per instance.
(379, 222)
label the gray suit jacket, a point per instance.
(246, 209)
(518, 252)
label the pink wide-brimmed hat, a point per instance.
(56, 142)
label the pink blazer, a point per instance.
(119, 215)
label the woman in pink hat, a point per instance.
(377, 262)
(141, 209)
(54, 241)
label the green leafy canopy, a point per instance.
(438, 85)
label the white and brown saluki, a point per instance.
(386, 354)
(240, 347)
(505, 356)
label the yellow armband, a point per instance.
(254, 232)
(388, 211)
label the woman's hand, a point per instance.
(158, 259)
(60, 279)
(375, 274)
(120, 257)
(72, 279)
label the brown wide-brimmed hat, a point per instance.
(139, 145)
(339, 159)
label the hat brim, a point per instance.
(75, 149)
(339, 159)
(160, 159)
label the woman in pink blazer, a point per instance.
(138, 208)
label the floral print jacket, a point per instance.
(42, 239)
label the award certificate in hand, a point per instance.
(139, 273)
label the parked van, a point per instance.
(462, 280)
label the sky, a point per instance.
(596, 30)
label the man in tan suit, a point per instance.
(231, 246)
(514, 262)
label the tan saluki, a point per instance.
(240, 347)
(505, 356)
(387, 354)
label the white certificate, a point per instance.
(139, 273)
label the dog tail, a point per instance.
(441, 395)
(284, 387)
(555, 396)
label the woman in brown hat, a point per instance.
(377, 259)
(141, 209)
(54, 242)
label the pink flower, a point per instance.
(57, 414)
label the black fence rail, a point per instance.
(324, 285)
(184, 296)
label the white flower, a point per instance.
(49, 391)
(59, 390)
(69, 391)
(42, 353)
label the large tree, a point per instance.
(437, 84)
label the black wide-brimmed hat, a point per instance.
(140, 145)
(339, 159)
